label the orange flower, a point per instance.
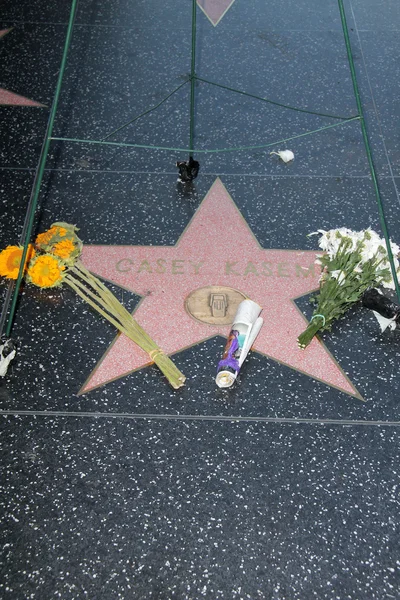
(10, 260)
(46, 271)
(45, 238)
(64, 249)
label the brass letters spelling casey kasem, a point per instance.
(233, 268)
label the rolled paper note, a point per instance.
(245, 329)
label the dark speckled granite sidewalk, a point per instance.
(111, 508)
(284, 487)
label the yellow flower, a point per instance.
(46, 271)
(62, 241)
(10, 260)
(45, 238)
(64, 249)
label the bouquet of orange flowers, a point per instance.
(53, 260)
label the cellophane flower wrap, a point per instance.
(353, 261)
(54, 260)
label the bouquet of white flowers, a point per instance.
(353, 262)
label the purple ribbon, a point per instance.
(230, 360)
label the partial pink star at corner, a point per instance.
(216, 249)
(9, 98)
(215, 9)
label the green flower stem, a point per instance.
(69, 281)
(313, 327)
(107, 298)
(95, 298)
(99, 297)
(335, 299)
(112, 303)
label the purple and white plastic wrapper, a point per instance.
(245, 328)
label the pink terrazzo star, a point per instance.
(216, 249)
(9, 98)
(215, 9)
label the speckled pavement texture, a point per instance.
(113, 485)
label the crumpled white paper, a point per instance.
(5, 360)
(285, 155)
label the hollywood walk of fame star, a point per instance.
(215, 9)
(9, 98)
(217, 248)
